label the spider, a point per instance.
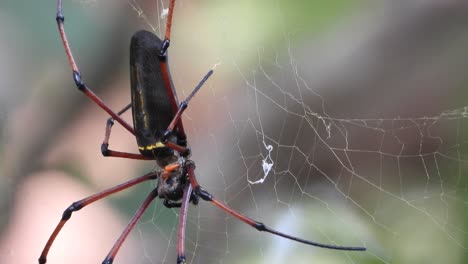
(160, 135)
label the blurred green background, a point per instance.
(363, 103)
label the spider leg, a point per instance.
(177, 121)
(105, 143)
(181, 144)
(167, 36)
(115, 249)
(76, 72)
(86, 201)
(181, 136)
(199, 191)
(182, 223)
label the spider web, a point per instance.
(334, 159)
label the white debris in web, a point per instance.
(164, 13)
(267, 164)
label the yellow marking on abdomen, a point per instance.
(158, 144)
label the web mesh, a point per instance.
(343, 162)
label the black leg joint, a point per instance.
(194, 198)
(200, 192)
(108, 261)
(164, 46)
(110, 122)
(78, 82)
(182, 141)
(186, 153)
(170, 204)
(180, 259)
(165, 136)
(183, 105)
(42, 260)
(59, 18)
(260, 226)
(105, 149)
(72, 208)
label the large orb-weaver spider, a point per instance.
(160, 135)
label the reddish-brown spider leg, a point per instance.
(76, 72)
(179, 109)
(113, 153)
(181, 144)
(182, 223)
(86, 201)
(136, 217)
(255, 224)
(182, 138)
(115, 249)
(167, 36)
(178, 121)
